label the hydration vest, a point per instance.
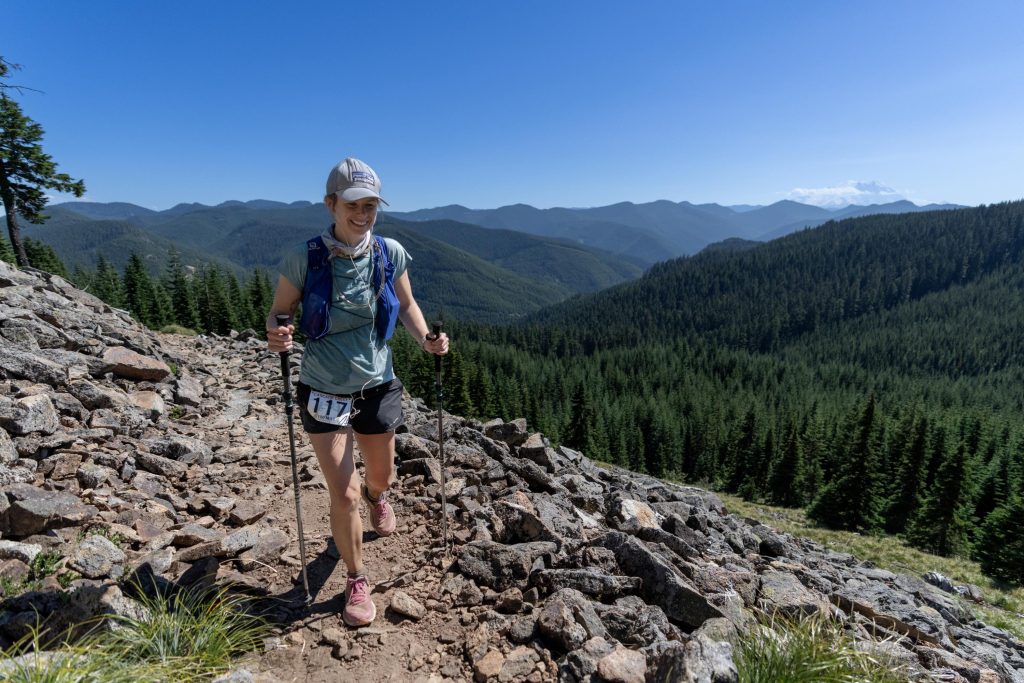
(318, 290)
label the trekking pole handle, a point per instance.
(435, 332)
(283, 320)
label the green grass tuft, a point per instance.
(812, 650)
(193, 632)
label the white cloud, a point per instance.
(859, 192)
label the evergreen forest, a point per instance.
(870, 370)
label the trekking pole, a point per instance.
(439, 389)
(286, 373)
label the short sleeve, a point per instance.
(398, 255)
(293, 266)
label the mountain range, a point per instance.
(516, 259)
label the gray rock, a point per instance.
(590, 582)
(247, 512)
(183, 449)
(662, 585)
(93, 396)
(91, 476)
(19, 363)
(157, 464)
(14, 475)
(269, 546)
(701, 660)
(29, 414)
(8, 454)
(194, 534)
(188, 391)
(403, 604)
(149, 402)
(783, 593)
(513, 433)
(33, 510)
(580, 665)
(501, 566)
(568, 620)
(97, 557)
(25, 552)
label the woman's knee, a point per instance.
(345, 500)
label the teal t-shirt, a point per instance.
(349, 359)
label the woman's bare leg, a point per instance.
(335, 454)
(379, 458)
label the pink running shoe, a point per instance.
(382, 516)
(359, 608)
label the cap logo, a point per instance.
(363, 177)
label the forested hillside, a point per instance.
(869, 369)
(510, 274)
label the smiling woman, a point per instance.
(353, 287)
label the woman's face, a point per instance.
(352, 220)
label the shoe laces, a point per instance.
(357, 589)
(381, 506)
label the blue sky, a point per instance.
(547, 103)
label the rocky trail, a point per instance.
(133, 454)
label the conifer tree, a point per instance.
(182, 293)
(942, 521)
(260, 296)
(906, 484)
(214, 305)
(139, 297)
(241, 310)
(43, 257)
(6, 251)
(1000, 546)
(850, 500)
(782, 478)
(107, 283)
(25, 170)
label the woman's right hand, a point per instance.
(279, 337)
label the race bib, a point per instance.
(329, 409)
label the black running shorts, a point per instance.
(377, 410)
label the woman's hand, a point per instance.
(279, 337)
(436, 345)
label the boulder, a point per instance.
(28, 414)
(131, 365)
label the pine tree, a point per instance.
(26, 171)
(140, 298)
(1000, 547)
(182, 293)
(42, 257)
(214, 305)
(782, 478)
(241, 309)
(107, 283)
(941, 523)
(851, 499)
(6, 251)
(260, 296)
(906, 484)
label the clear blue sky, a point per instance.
(550, 103)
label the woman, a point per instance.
(347, 386)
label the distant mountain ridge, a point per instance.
(661, 229)
(466, 271)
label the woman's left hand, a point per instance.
(437, 346)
